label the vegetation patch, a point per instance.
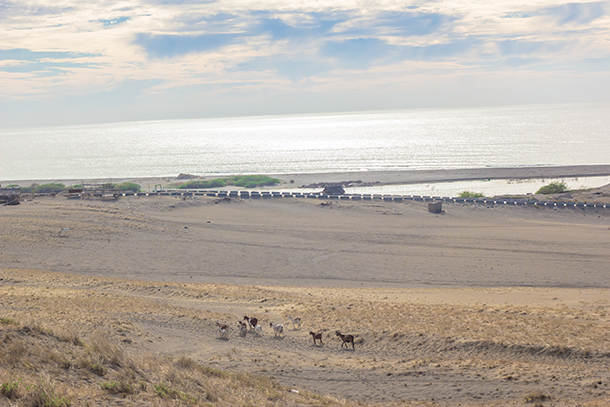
(52, 188)
(118, 387)
(8, 321)
(124, 186)
(10, 390)
(470, 194)
(553, 188)
(56, 188)
(164, 391)
(244, 181)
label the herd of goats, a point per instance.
(278, 330)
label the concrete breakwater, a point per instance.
(370, 197)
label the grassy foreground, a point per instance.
(45, 367)
(69, 340)
(61, 346)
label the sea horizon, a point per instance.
(397, 140)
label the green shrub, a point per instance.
(204, 184)
(470, 194)
(10, 390)
(128, 186)
(245, 181)
(118, 387)
(96, 368)
(44, 395)
(8, 321)
(52, 188)
(252, 181)
(553, 188)
(164, 391)
(30, 189)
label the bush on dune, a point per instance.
(52, 188)
(553, 188)
(203, 184)
(252, 181)
(469, 194)
(244, 181)
(128, 186)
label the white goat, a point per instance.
(258, 329)
(295, 321)
(278, 329)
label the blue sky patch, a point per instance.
(114, 21)
(167, 46)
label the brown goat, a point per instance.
(252, 321)
(243, 328)
(316, 336)
(346, 339)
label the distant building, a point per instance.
(10, 195)
(334, 190)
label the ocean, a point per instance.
(376, 140)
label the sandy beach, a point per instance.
(479, 305)
(373, 177)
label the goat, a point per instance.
(252, 321)
(224, 329)
(243, 328)
(278, 329)
(295, 321)
(346, 339)
(258, 329)
(316, 336)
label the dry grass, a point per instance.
(47, 362)
(39, 369)
(70, 340)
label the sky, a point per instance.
(92, 61)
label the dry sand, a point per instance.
(476, 306)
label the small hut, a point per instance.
(335, 189)
(10, 195)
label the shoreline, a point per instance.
(384, 177)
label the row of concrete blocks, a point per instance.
(372, 197)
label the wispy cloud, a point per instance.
(578, 13)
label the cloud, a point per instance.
(578, 13)
(10, 9)
(412, 23)
(360, 53)
(292, 68)
(515, 47)
(43, 63)
(363, 53)
(314, 27)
